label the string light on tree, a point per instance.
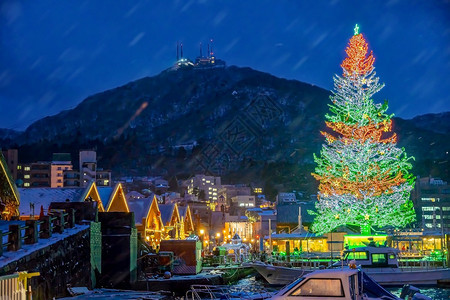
(364, 177)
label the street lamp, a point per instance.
(217, 238)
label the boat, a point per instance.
(381, 263)
(279, 275)
(211, 292)
(347, 283)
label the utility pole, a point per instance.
(270, 237)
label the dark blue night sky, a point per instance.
(53, 54)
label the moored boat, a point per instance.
(381, 263)
(344, 283)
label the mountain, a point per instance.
(9, 134)
(235, 122)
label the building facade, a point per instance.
(61, 162)
(209, 185)
(431, 198)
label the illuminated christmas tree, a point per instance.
(364, 177)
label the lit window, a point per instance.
(379, 258)
(430, 199)
(19, 167)
(428, 208)
(241, 204)
(26, 184)
(27, 168)
(319, 288)
(357, 255)
(26, 176)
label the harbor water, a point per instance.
(435, 293)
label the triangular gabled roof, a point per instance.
(91, 192)
(8, 191)
(113, 199)
(167, 212)
(105, 193)
(186, 215)
(141, 208)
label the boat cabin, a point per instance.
(372, 257)
(344, 284)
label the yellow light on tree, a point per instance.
(364, 177)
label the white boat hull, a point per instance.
(399, 276)
(276, 275)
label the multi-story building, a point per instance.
(210, 186)
(60, 173)
(61, 162)
(88, 166)
(36, 174)
(431, 197)
(89, 171)
(71, 178)
(243, 201)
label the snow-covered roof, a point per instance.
(166, 212)
(105, 193)
(140, 207)
(45, 196)
(182, 210)
(267, 213)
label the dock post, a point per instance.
(45, 231)
(14, 238)
(31, 232)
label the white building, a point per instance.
(244, 201)
(210, 185)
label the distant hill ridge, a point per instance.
(218, 121)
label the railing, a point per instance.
(55, 222)
(15, 287)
